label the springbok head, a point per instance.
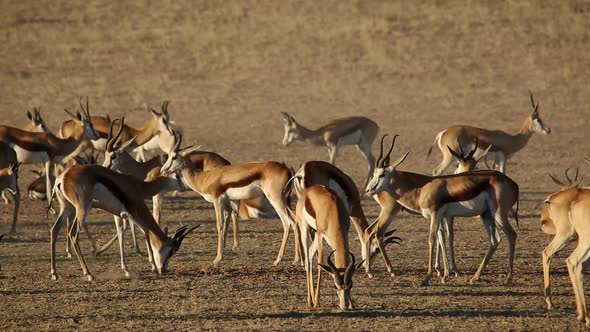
(467, 162)
(84, 122)
(37, 121)
(292, 129)
(176, 162)
(114, 145)
(342, 279)
(537, 124)
(172, 245)
(383, 169)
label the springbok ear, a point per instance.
(154, 112)
(188, 150)
(79, 116)
(126, 144)
(70, 114)
(479, 155)
(455, 154)
(29, 115)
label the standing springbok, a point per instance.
(504, 145)
(34, 147)
(7, 161)
(555, 220)
(322, 216)
(489, 194)
(224, 184)
(358, 131)
(323, 173)
(82, 187)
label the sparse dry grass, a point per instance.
(228, 68)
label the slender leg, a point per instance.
(320, 251)
(281, 209)
(220, 220)
(444, 164)
(558, 242)
(81, 215)
(120, 235)
(134, 237)
(66, 211)
(431, 238)
(332, 150)
(68, 239)
(574, 266)
(235, 208)
(48, 178)
(16, 199)
(502, 162)
(511, 235)
(157, 206)
(451, 238)
(494, 240)
(441, 239)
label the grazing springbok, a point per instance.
(82, 187)
(489, 194)
(323, 173)
(322, 216)
(504, 145)
(36, 122)
(224, 184)
(555, 220)
(358, 131)
(34, 147)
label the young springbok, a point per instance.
(489, 194)
(322, 216)
(504, 145)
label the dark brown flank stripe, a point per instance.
(199, 158)
(32, 146)
(465, 192)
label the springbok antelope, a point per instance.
(489, 194)
(504, 145)
(555, 220)
(36, 122)
(224, 184)
(33, 147)
(7, 161)
(320, 211)
(8, 182)
(358, 131)
(163, 140)
(99, 123)
(82, 187)
(325, 174)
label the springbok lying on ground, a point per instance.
(504, 145)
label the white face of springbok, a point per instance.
(84, 121)
(383, 170)
(342, 280)
(114, 147)
(292, 132)
(468, 161)
(162, 118)
(537, 124)
(176, 162)
(171, 246)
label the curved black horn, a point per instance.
(386, 160)
(558, 182)
(472, 153)
(461, 149)
(567, 171)
(110, 140)
(182, 232)
(532, 99)
(165, 107)
(455, 154)
(378, 163)
(350, 268)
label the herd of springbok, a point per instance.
(327, 198)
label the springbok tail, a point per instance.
(436, 142)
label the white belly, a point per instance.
(339, 191)
(249, 191)
(470, 208)
(350, 139)
(255, 213)
(105, 200)
(29, 157)
(152, 144)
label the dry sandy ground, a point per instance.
(229, 69)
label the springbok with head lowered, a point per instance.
(358, 131)
(504, 145)
(325, 174)
(82, 187)
(489, 194)
(322, 216)
(34, 147)
(224, 184)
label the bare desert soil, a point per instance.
(228, 69)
